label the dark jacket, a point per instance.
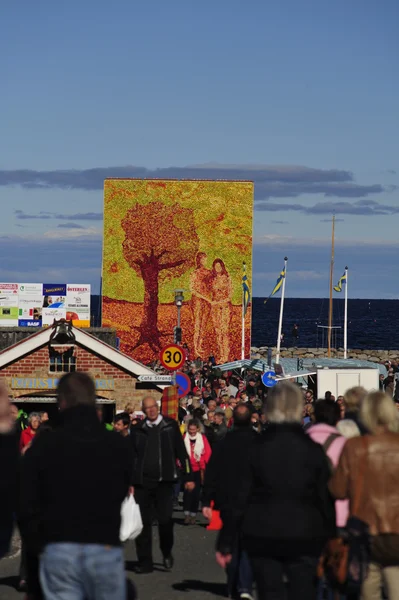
(73, 482)
(228, 456)
(9, 462)
(219, 432)
(182, 414)
(170, 451)
(281, 501)
(354, 416)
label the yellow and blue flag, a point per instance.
(246, 293)
(278, 285)
(341, 281)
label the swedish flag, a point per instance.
(246, 293)
(278, 285)
(341, 281)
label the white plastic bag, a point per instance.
(131, 523)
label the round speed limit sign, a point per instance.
(172, 357)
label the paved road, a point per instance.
(194, 577)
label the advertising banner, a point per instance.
(77, 304)
(38, 304)
(8, 304)
(54, 296)
(30, 304)
(166, 235)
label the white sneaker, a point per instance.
(246, 596)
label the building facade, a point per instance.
(32, 367)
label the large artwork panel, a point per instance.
(162, 235)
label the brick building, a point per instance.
(32, 367)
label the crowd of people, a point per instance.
(288, 472)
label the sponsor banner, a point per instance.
(49, 314)
(54, 289)
(8, 316)
(77, 288)
(37, 304)
(8, 304)
(7, 300)
(30, 308)
(30, 289)
(80, 323)
(77, 304)
(29, 323)
(8, 288)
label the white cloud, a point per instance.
(67, 234)
(288, 241)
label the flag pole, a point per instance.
(280, 323)
(330, 308)
(243, 321)
(346, 315)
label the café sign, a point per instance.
(51, 383)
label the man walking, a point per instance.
(158, 447)
(73, 482)
(220, 486)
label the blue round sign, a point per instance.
(269, 379)
(184, 383)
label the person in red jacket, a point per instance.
(29, 433)
(199, 451)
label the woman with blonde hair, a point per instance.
(352, 401)
(375, 459)
(279, 503)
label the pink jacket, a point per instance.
(319, 433)
(206, 455)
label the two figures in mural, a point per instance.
(211, 295)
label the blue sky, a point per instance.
(300, 95)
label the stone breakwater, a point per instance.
(376, 356)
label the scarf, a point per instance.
(199, 447)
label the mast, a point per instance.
(330, 308)
(280, 322)
(346, 315)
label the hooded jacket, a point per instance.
(320, 433)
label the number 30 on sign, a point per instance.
(172, 357)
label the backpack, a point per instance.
(331, 438)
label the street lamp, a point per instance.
(179, 299)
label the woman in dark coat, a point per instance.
(281, 503)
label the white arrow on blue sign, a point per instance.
(269, 379)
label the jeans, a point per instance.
(82, 572)
(191, 499)
(239, 573)
(269, 576)
(158, 495)
(325, 592)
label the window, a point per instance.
(62, 362)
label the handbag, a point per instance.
(131, 522)
(345, 559)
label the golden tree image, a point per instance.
(160, 242)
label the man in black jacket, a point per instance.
(228, 457)
(73, 482)
(158, 447)
(9, 462)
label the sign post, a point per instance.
(269, 379)
(184, 384)
(172, 357)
